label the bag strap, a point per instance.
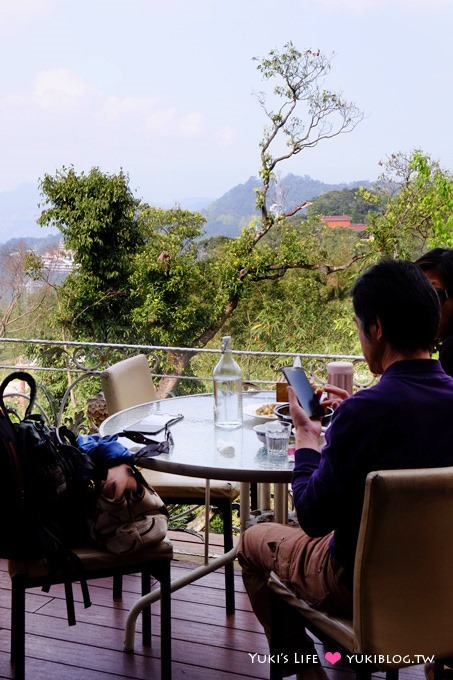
(151, 446)
(25, 377)
(151, 450)
(66, 436)
(137, 437)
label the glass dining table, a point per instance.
(202, 450)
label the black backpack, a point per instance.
(48, 490)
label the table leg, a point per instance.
(244, 504)
(178, 583)
(264, 496)
(281, 503)
(194, 574)
(207, 511)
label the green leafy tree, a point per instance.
(417, 199)
(145, 273)
(96, 214)
(301, 115)
(170, 275)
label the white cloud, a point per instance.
(59, 90)
(147, 113)
(160, 122)
(168, 122)
(190, 125)
(118, 109)
(61, 94)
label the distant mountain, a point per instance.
(19, 209)
(231, 212)
(196, 204)
(39, 244)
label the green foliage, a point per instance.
(170, 274)
(145, 274)
(344, 202)
(26, 297)
(284, 314)
(96, 214)
(304, 311)
(417, 199)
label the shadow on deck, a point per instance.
(207, 644)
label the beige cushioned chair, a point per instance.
(150, 561)
(129, 383)
(403, 593)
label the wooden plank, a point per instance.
(207, 644)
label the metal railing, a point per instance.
(78, 361)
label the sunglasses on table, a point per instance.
(151, 447)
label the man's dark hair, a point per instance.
(398, 292)
(439, 261)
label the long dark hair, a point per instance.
(440, 261)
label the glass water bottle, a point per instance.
(227, 380)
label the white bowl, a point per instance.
(261, 429)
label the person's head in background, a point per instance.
(397, 313)
(437, 265)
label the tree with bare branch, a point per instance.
(300, 114)
(25, 291)
(170, 288)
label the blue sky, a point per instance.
(164, 88)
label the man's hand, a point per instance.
(307, 431)
(119, 480)
(335, 395)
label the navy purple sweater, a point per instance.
(405, 421)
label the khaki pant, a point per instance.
(303, 563)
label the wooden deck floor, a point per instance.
(207, 644)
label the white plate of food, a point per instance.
(262, 411)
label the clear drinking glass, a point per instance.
(277, 440)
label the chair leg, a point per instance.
(18, 627)
(227, 516)
(146, 611)
(165, 622)
(253, 495)
(275, 647)
(438, 669)
(117, 586)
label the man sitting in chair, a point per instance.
(404, 421)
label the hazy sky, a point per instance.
(164, 88)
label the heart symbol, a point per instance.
(332, 657)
